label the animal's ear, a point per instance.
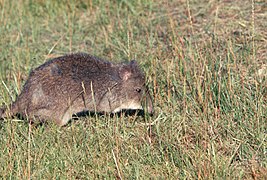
(125, 72)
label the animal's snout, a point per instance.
(150, 108)
(148, 104)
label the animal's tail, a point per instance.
(6, 112)
(2, 113)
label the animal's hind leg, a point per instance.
(61, 118)
(45, 115)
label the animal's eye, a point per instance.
(138, 90)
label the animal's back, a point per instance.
(74, 65)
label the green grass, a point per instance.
(205, 63)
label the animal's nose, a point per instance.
(149, 104)
(150, 110)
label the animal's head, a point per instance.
(131, 92)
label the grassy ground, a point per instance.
(206, 64)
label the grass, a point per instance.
(206, 66)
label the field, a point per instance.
(206, 67)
